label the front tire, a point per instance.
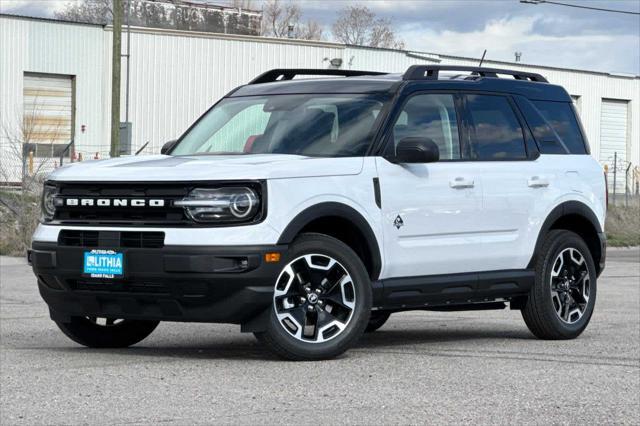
(106, 332)
(562, 300)
(322, 300)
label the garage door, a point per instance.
(613, 139)
(48, 113)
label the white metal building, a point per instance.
(62, 71)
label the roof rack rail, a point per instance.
(280, 74)
(430, 72)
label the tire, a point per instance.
(560, 304)
(318, 313)
(377, 320)
(88, 332)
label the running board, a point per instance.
(468, 307)
(426, 292)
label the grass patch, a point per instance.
(623, 226)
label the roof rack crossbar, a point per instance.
(280, 74)
(431, 72)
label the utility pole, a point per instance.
(115, 78)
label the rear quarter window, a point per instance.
(562, 118)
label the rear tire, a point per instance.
(377, 320)
(322, 300)
(563, 297)
(113, 334)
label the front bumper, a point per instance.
(231, 284)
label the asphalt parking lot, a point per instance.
(421, 367)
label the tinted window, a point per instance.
(432, 117)
(496, 131)
(547, 139)
(562, 119)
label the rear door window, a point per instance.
(561, 117)
(496, 133)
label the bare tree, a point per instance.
(311, 30)
(91, 11)
(358, 25)
(285, 20)
(20, 208)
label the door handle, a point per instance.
(538, 182)
(461, 183)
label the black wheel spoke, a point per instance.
(302, 273)
(581, 276)
(334, 276)
(336, 308)
(578, 297)
(310, 325)
(298, 314)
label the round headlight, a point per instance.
(242, 204)
(48, 206)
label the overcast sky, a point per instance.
(545, 34)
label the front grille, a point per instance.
(142, 239)
(166, 214)
(78, 238)
(111, 239)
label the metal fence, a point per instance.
(22, 163)
(623, 181)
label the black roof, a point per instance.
(427, 77)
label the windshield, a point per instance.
(311, 125)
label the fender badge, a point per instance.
(398, 223)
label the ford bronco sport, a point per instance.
(308, 210)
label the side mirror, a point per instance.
(417, 150)
(167, 146)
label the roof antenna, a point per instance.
(482, 59)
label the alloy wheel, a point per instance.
(314, 298)
(570, 285)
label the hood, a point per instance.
(207, 167)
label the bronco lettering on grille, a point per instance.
(113, 202)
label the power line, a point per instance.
(600, 9)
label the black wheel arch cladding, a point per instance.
(573, 216)
(340, 213)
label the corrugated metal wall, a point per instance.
(33, 46)
(175, 76)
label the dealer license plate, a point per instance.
(103, 264)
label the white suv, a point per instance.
(309, 210)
